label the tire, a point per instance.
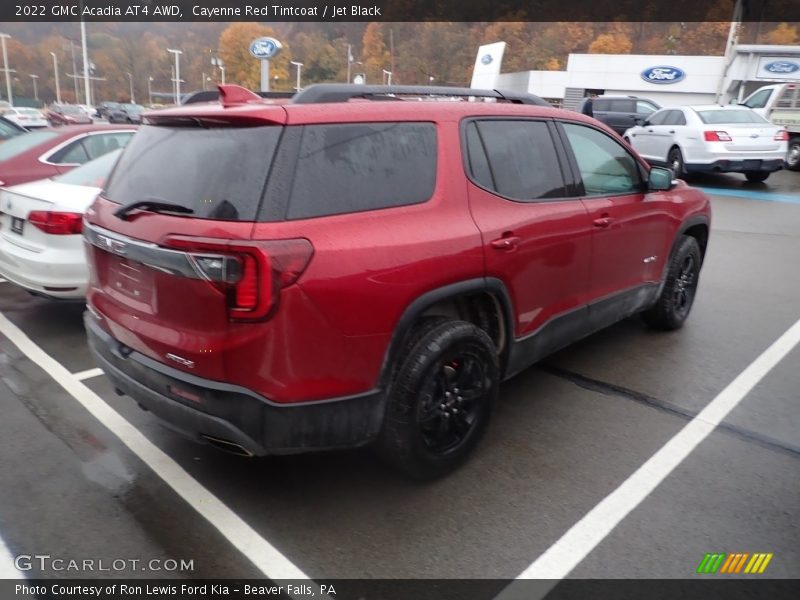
(756, 176)
(676, 299)
(675, 162)
(793, 155)
(441, 398)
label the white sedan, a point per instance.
(29, 118)
(41, 225)
(718, 139)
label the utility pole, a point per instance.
(35, 89)
(86, 81)
(349, 61)
(55, 70)
(177, 54)
(3, 37)
(299, 66)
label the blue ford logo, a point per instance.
(663, 74)
(486, 59)
(782, 66)
(265, 48)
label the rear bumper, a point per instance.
(226, 414)
(736, 166)
(55, 273)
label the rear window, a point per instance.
(718, 117)
(363, 166)
(218, 172)
(23, 143)
(94, 173)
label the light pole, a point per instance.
(150, 90)
(216, 61)
(222, 70)
(387, 76)
(10, 98)
(130, 81)
(177, 54)
(86, 82)
(35, 89)
(299, 66)
(55, 70)
(349, 60)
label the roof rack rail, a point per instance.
(342, 92)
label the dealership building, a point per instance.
(667, 79)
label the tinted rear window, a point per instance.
(363, 166)
(219, 172)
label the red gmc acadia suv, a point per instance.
(334, 270)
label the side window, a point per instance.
(759, 99)
(606, 167)
(659, 118)
(476, 156)
(522, 162)
(675, 117)
(600, 104)
(623, 106)
(363, 166)
(101, 143)
(644, 108)
(74, 153)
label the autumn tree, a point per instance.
(611, 43)
(783, 34)
(374, 54)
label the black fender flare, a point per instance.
(413, 311)
(684, 227)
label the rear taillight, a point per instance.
(57, 223)
(782, 136)
(251, 274)
(716, 136)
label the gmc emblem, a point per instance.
(112, 245)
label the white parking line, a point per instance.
(7, 568)
(88, 374)
(563, 556)
(268, 559)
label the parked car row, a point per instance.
(691, 139)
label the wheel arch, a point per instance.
(485, 302)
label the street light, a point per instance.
(130, 80)
(222, 70)
(177, 54)
(387, 77)
(55, 70)
(10, 98)
(35, 89)
(299, 66)
(149, 90)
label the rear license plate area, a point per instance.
(131, 279)
(752, 165)
(17, 224)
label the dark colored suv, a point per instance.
(338, 271)
(619, 112)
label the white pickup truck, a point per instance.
(780, 103)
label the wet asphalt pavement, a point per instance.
(566, 434)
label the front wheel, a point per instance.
(793, 155)
(675, 162)
(676, 299)
(756, 176)
(441, 398)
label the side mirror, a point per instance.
(660, 179)
(640, 122)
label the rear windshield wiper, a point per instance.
(153, 204)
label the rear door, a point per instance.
(665, 135)
(536, 233)
(622, 114)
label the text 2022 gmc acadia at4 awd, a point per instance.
(337, 270)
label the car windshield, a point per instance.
(720, 117)
(94, 173)
(23, 143)
(69, 109)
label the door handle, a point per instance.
(673, 131)
(506, 243)
(649, 131)
(603, 222)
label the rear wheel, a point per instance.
(677, 296)
(441, 398)
(793, 155)
(675, 162)
(756, 176)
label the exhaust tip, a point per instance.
(227, 446)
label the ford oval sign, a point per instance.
(486, 59)
(265, 48)
(663, 74)
(782, 66)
